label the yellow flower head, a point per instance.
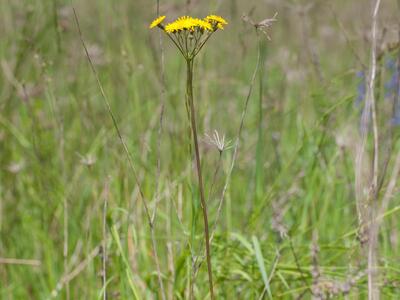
(190, 34)
(187, 23)
(216, 21)
(182, 23)
(203, 24)
(157, 21)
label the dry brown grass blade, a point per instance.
(19, 261)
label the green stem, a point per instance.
(189, 95)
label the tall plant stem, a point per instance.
(373, 289)
(189, 95)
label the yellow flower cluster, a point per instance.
(210, 23)
(190, 34)
(187, 23)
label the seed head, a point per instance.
(218, 142)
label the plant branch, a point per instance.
(373, 291)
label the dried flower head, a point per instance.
(87, 160)
(262, 25)
(218, 141)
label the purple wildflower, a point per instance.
(392, 88)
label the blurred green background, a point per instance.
(289, 222)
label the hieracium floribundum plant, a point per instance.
(190, 35)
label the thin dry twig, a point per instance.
(391, 186)
(160, 127)
(373, 291)
(364, 196)
(234, 157)
(347, 37)
(128, 154)
(66, 240)
(107, 102)
(237, 142)
(75, 272)
(158, 154)
(104, 243)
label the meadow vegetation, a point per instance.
(300, 153)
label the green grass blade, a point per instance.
(261, 266)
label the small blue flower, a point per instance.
(392, 85)
(395, 120)
(390, 64)
(392, 88)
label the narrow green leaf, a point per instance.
(261, 266)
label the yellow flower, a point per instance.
(184, 23)
(157, 21)
(187, 23)
(217, 21)
(203, 24)
(171, 27)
